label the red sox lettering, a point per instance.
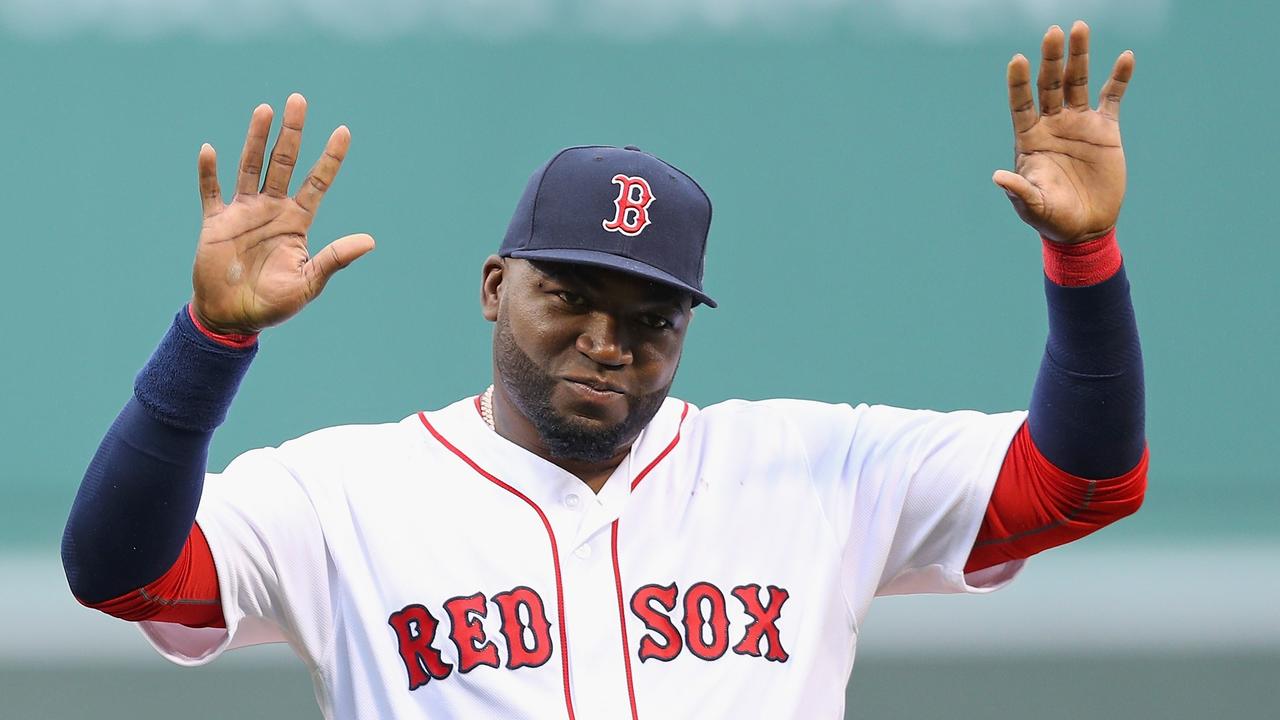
(415, 626)
(634, 198)
(662, 642)
(764, 623)
(528, 641)
(520, 654)
(704, 628)
(468, 635)
(704, 609)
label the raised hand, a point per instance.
(252, 268)
(1069, 174)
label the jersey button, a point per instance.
(583, 552)
(571, 501)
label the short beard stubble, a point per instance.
(566, 438)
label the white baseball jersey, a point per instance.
(432, 569)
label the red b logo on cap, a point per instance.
(634, 197)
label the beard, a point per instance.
(565, 437)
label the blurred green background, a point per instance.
(859, 252)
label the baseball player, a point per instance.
(572, 542)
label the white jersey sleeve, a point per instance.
(905, 491)
(270, 555)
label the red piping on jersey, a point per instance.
(684, 413)
(555, 553)
(617, 572)
(622, 623)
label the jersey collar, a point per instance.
(561, 495)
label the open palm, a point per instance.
(1068, 180)
(253, 268)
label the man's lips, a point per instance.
(596, 384)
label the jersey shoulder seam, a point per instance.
(822, 509)
(326, 652)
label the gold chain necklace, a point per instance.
(486, 407)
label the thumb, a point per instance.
(1019, 189)
(334, 257)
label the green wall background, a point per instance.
(859, 250)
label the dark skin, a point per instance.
(607, 343)
(254, 268)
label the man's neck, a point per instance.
(508, 423)
(594, 475)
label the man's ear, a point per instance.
(493, 274)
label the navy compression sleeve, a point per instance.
(1087, 412)
(138, 500)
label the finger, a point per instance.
(1050, 79)
(336, 256)
(255, 146)
(1113, 91)
(1019, 189)
(207, 169)
(1076, 79)
(285, 153)
(325, 170)
(1021, 106)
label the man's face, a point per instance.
(586, 355)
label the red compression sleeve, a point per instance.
(1036, 506)
(187, 593)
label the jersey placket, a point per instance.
(597, 671)
(581, 523)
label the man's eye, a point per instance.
(656, 322)
(570, 298)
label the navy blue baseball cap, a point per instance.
(617, 208)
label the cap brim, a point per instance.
(595, 258)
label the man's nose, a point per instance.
(602, 340)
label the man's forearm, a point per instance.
(1088, 405)
(139, 496)
(1079, 463)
